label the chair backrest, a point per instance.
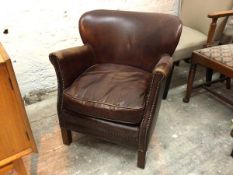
(193, 13)
(130, 38)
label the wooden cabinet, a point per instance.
(16, 139)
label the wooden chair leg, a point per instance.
(228, 83)
(209, 74)
(177, 63)
(222, 77)
(168, 82)
(232, 136)
(192, 73)
(141, 159)
(187, 60)
(66, 136)
(19, 167)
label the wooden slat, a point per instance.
(14, 157)
(221, 97)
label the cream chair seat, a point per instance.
(193, 14)
(190, 40)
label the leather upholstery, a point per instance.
(110, 92)
(123, 37)
(70, 63)
(111, 87)
(164, 65)
(106, 130)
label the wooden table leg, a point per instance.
(6, 168)
(19, 167)
(192, 73)
(228, 83)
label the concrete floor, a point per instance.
(189, 139)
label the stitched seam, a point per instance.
(74, 98)
(63, 82)
(153, 105)
(111, 120)
(118, 134)
(144, 116)
(147, 100)
(149, 117)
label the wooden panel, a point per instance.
(15, 156)
(13, 136)
(4, 59)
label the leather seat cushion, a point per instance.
(110, 92)
(190, 40)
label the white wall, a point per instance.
(38, 27)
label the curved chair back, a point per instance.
(130, 38)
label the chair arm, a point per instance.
(213, 25)
(70, 63)
(220, 14)
(164, 65)
(153, 100)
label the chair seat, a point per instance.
(222, 54)
(110, 92)
(190, 40)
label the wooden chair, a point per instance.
(197, 30)
(217, 58)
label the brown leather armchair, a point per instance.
(111, 87)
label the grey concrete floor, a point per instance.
(189, 139)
